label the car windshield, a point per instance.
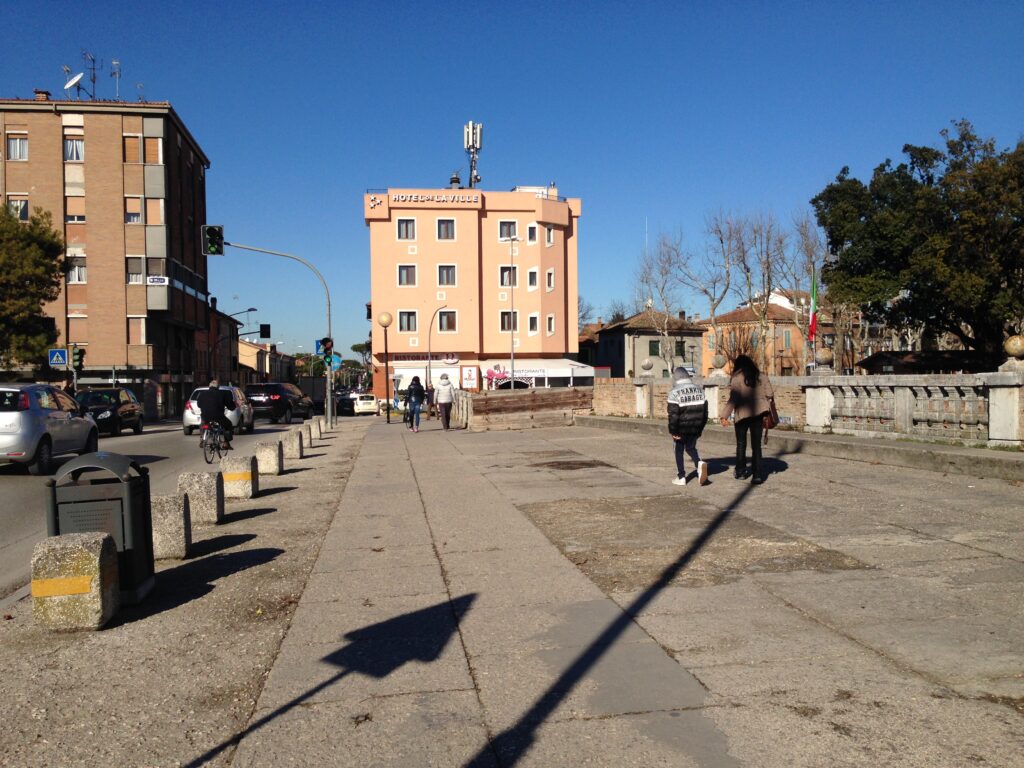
(366, 398)
(97, 398)
(258, 389)
(9, 400)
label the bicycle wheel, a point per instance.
(210, 447)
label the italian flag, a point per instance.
(812, 328)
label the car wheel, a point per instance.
(188, 430)
(252, 425)
(42, 464)
(273, 420)
(115, 428)
(287, 418)
(138, 426)
(92, 444)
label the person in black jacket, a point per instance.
(687, 415)
(212, 402)
(415, 396)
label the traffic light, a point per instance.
(327, 349)
(213, 240)
(78, 358)
(264, 330)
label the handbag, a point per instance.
(771, 419)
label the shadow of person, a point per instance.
(375, 651)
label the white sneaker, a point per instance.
(679, 481)
(702, 472)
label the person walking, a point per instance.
(415, 396)
(429, 402)
(445, 394)
(750, 396)
(687, 415)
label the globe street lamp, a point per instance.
(385, 319)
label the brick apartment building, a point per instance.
(126, 183)
(469, 275)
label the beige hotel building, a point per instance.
(468, 276)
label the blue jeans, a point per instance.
(414, 414)
(684, 446)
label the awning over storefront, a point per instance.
(538, 368)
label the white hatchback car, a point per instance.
(364, 404)
(242, 418)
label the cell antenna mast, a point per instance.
(115, 72)
(472, 140)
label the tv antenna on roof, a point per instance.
(91, 65)
(76, 83)
(115, 72)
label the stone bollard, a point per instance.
(293, 445)
(241, 478)
(307, 434)
(205, 493)
(75, 581)
(172, 527)
(318, 426)
(270, 458)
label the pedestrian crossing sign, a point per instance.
(57, 358)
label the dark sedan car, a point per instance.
(278, 402)
(113, 409)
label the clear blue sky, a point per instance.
(649, 112)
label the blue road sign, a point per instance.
(319, 346)
(57, 358)
(335, 362)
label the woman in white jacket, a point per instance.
(444, 396)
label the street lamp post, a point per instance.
(384, 318)
(430, 329)
(228, 336)
(512, 310)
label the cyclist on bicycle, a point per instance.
(212, 403)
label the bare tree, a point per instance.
(757, 260)
(656, 288)
(586, 311)
(797, 266)
(618, 311)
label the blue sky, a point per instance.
(655, 114)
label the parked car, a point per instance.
(346, 404)
(242, 418)
(112, 408)
(38, 422)
(279, 402)
(364, 404)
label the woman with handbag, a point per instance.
(750, 399)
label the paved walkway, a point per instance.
(442, 627)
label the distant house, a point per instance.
(623, 346)
(929, 361)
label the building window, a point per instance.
(136, 332)
(407, 322)
(550, 279)
(506, 230)
(446, 229)
(132, 148)
(679, 349)
(787, 339)
(74, 210)
(153, 151)
(509, 277)
(133, 210)
(74, 149)
(156, 267)
(17, 147)
(533, 324)
(446, 321)
(407, 274)
(551, 325)
(446, 274)
(531, 233)
(134, 266)
(549, 235)
(154, 211)
(407, 229)
(654, 348)
(77, 270)
(664, 373)
(532, 279)
(509, 321)
(711, 341)
(18, 206)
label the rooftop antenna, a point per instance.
(140, 87)
(115, 72)
(76, 83)
(91, 64)
(472, 140)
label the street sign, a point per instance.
(319, 346)
(335, 362)
(57, 358)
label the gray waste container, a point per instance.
(110, 499)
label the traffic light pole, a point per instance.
(329, 404)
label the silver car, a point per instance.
(38, 422)
(242, 418)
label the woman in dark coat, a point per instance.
(750, 393)
(415, 396)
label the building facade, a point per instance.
(125, 181)
(470, 278)
(666, 341)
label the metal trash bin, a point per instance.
(118, 505)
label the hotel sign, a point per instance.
(435, 197)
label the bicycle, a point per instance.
(214, 441)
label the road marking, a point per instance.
(61, 586)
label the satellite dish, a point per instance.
(73, 81)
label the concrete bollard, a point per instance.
(172, 527)
(241, 477)
(205, 493)
(293, 445)
(307, 434)
(270, 458)
(318, 426)
(75, 581)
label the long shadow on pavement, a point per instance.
(511, 745)
(375, 651)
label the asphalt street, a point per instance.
(163, 448)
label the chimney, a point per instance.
(213, 303)
(600, 322)
(455, 182)
(42, 95)
(682, 315)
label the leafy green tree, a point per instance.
(936, 242)
(31, 274)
